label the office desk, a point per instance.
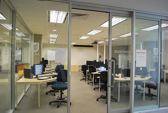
(137, 78)
(165, 72)
(25, 81)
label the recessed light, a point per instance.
(52, 42)
(154, 27)
(113, 39)
(53, 39)
(8, 26)
(53, 35)
(2, 17)
(57, 16)
(54, 30)
(93, 32)
(101, 42)
(20, 34)
(73, 43)
(127, 35)
(115, 21)
(84, 37)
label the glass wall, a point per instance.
(22, 53)
(5, 57)
(164, 66)
(146, 64)
(121, 56)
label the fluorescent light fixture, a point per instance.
(54, 30)
(84, 37)
(2, 17)
(28, 41)
(57, 16)
(5, 41)
(154, 27)
(127, 35)
(20, 34)
(25, 38)
(53, 39)
(8, 26)
(52, 42)
(53, 35)
(7, 33)
(115, 21)
(73, 43)
(101, 42)
(18, 38)
(113, 39)
(93, 32)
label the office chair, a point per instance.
(92, 69)
(103, 79)
(57, 69)
(151, 85)
(84, 68)
(60, 85)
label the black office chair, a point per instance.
(92, 69)
(60, 85)
(103, 79)
(57, 69)
(84, 68)
(151, 84)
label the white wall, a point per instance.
(154, 6)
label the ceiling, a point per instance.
(35, 15)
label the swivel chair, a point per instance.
(60, 85)
(84, 68)
(57, 69)
(92, 69)
(151, 84)
(103, 79)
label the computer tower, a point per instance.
(27, 73)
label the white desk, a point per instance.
(25, 81)
(137, 78)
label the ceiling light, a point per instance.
(57, 16)
(28, 41)
(2, 17)
(5, 41)
(18, 38)
(52, 42)
(7, 33)
(53, 39)
(113, 39)
(93, 32)
(101, 42)
(53, 35)
(25, 38)
(84, 37)
(115, 21)
(54, 30)
(20, 34)
(127, 35)
(73, 43)
(8, 26)
(154, 27)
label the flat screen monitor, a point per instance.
(98, 64)
(38, 69)
(101, 68)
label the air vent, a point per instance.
(80, 16)
(83, 45)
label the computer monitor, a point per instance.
(38, 69)
(101, 68)
(98, 64)
(45, 61)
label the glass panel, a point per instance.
(164, 66)
(40, 18)
(22, 54)
(121, 56)
(146, 63)
(5, 57)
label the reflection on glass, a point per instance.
(146, 63)
(5, 57)
(164, 67)
(121, 68)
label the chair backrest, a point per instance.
(58, 68)
(62, 76)
(84, 67)
(92, 68)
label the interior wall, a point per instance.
(153, 6)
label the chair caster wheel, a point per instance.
(50, 103)
(58, 106)
(70, 103)
(97, 100)
(46, 93)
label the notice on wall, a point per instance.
(51, 55)
(140, 58)
(60, 55)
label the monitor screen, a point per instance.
(38, 69)
(98, 64)
(101, 68)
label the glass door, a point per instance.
(119, 65)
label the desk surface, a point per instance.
(137, 78)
